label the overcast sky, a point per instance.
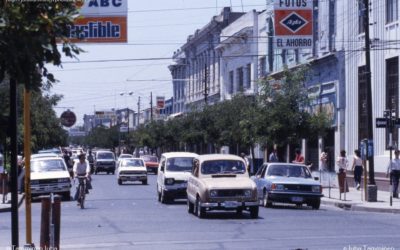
(156, 28)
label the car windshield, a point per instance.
(132, 163)
(178, 164)
(150, 158)
(289, 171)
(105, 155)
(223, 167)
(125, 156)
(47, 165)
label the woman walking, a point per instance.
(357, 168)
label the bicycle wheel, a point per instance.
(82, 196)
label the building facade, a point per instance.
(385, 37)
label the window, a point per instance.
(392, 93)
(361, 12)
(240, 79)
(392, 10)
(263, 67)
(248, 75)
(231, 82)
(362, 104)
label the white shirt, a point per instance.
(81, 168)
(357, 161)
(394, 166)
(342, 163)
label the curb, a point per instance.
(360, 208)
(8, 208)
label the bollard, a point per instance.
(50, 230)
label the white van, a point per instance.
(173, 172)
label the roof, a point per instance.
(179, 154)
(210, 157)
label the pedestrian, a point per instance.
(299, 158)
(357, 168)
(243, 155)
(394, 170)
(273, 157)
(324, 160)
(342, 163)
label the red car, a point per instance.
(151, 162)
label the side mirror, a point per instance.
(316, 178)
(162, 168)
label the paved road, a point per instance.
(129, 217)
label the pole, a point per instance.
(138, 111)
(14, 164)
(151, 106)
(205, 85)
(27, 154)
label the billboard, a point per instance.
(160, 102)
(101, 21)
(293, 24)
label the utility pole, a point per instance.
(14, 165)
(151, 106)
(205, 84)
(138, 111)
(372, 189)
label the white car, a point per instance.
(50, 175)
(132, 169)
(173, 172)
(123, 156)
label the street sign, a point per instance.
(160, 102)
(68, 118)
(293, 24)
(123, 129)
(381, 122)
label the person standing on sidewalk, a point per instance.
(324, 160)
(342, 163)
(273, 157)
(394, 170)
(299, 158)
(357, 168)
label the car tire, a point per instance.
(254, 212)
(113, 172)
(190, 206)
(95, 172)
(144, 182)
(265, 201)
(316, 204)
(66, 196)
(200, 211)
(239, 211)
(119, 182)
(163, 198)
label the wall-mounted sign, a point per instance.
(101, 21)
(68, 118)
(160, 102)
(293, 24)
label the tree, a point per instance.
(29, 32)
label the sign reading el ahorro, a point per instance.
(293, 24)
(101, 21)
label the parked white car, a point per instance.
(132, 169)
(173, 173)
(50, 175)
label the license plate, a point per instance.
(183, 185)
(231, 204)
(297, 199)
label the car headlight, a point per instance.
(316, 189)
(169, 181)
(277, 187)
(247, 193)
(213, 193)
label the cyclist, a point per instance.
(82, 168)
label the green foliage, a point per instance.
(29, 32)
(103, 137)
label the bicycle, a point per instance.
(81, 191)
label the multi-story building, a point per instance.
(242, 53)
(326, 75)
(384, 36)
(197, 67)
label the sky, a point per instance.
(156, 28)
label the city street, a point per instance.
(129, 217)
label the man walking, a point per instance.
(394, 170)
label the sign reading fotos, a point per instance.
(293, 24)
(101, 21)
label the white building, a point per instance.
(385, 38)
(242, 52)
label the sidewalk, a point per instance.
(6, 207)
